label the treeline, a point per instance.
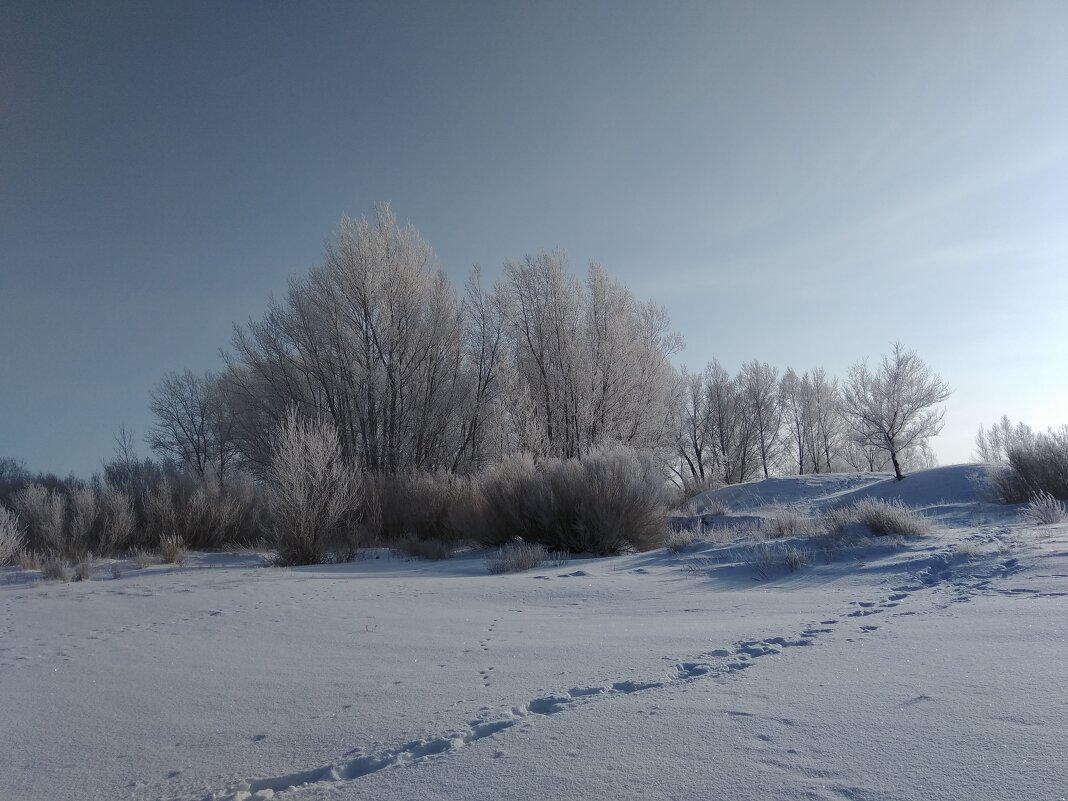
(373, 401)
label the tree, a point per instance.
(760, 391)
(894, 406)
(193, 425)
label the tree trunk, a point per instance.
(897, 467)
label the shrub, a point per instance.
(418, 505)
(893, 517)
(82, 522)
(607, 502)
(119, 520)
(43, 511)
(432, 550)
(312, 492)
(54, 566)
(516, 556)
(1037, 464)
(1043, 509)
(12, 537)
(172, 549)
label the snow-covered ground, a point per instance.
(933, 669)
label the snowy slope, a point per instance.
(932, 671)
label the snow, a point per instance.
(932, 669)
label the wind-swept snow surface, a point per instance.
(927, 670)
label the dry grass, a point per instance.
(172, 549)
(836, 521)
(1043, 509)
(678, 540)
(28, 560)
(516, 556)
(891, 517)
(83, 569)
(786, 521)
(55, 567)
(143, 558)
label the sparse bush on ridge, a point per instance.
(12, 537)
(1043, 509)
(890, 517)
(1036, 464)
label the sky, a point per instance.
(800, 183)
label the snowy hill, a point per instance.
(926, 669)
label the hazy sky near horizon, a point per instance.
(800, 183)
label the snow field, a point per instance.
(931, 670)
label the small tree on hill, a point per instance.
(894, 406)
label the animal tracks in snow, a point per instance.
(718, 663)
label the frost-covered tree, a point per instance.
(591, 359)
(763, 403)
(992, 445)
(894, 406)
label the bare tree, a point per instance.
(896, 405)
(193, 425)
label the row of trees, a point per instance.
(416, 377)
(759, 422)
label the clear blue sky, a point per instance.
(797, 182)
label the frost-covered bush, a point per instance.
(890, 517)
(609, 501)
(119, 521)
(82, 521)
(1043, 509)
(311, 491)
(1037, 464)
(12, 537)
(43, 511)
